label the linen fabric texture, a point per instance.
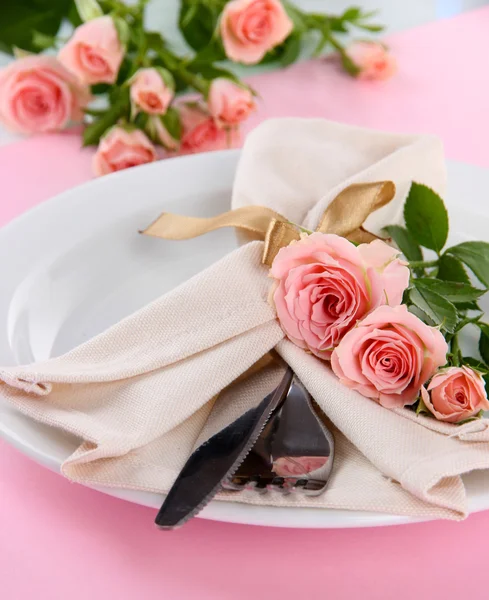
(146, 392)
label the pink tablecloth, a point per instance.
(61, 541)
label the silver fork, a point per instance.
(294, 452)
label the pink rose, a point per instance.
(455, 394)
(389, 356)
(37, 94)
(298, 465)
(372, 59)
(94, 53)
(120, 149)
(150, 92)
(250, 28)
(325, 284)
(228, 102)
(201, 132)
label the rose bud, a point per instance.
(121, 149)
(372, 60)
(229, 103)
(455, 394)
(152, 91)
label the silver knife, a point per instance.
(217, 460)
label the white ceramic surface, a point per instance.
(76, 265)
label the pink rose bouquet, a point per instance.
(390, 327)
(140, 78)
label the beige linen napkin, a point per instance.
(140, 396)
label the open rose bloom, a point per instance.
(389, 355)
(250, 28)
(38, 94)
(455, 394)
(94, 53)
(325, 285)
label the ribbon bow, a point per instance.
(344, 216)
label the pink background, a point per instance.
(61, 541)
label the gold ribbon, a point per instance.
(344, 216)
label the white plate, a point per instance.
(76, 264)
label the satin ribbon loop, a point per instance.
(344, 216)
(351, 207)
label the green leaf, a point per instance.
(197, 22)
(476, 364)
(167, 77)
(20, 18)
(213, 52)
(426, 217)
(370, 13)
(123, 31)
(371, 28)
(100, 88)
(154, 40)
(323, 42)
(73, 16)
(405, 242)
(441, 311)
(21, 53)
(451, 269)
(88, 9)
(93, 132)
(212, 72)
(292, 50)
(484, 341)
(42, 41)
(421, 315)
(352, 14)
(125, 72)
(479, 415)
(422, 408)
(468, 306)
(171, 120)
(476, 256)
(453, 291)
(297, 18)
(337, 25)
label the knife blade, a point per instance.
(217, 459)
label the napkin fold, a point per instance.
(142, 395)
